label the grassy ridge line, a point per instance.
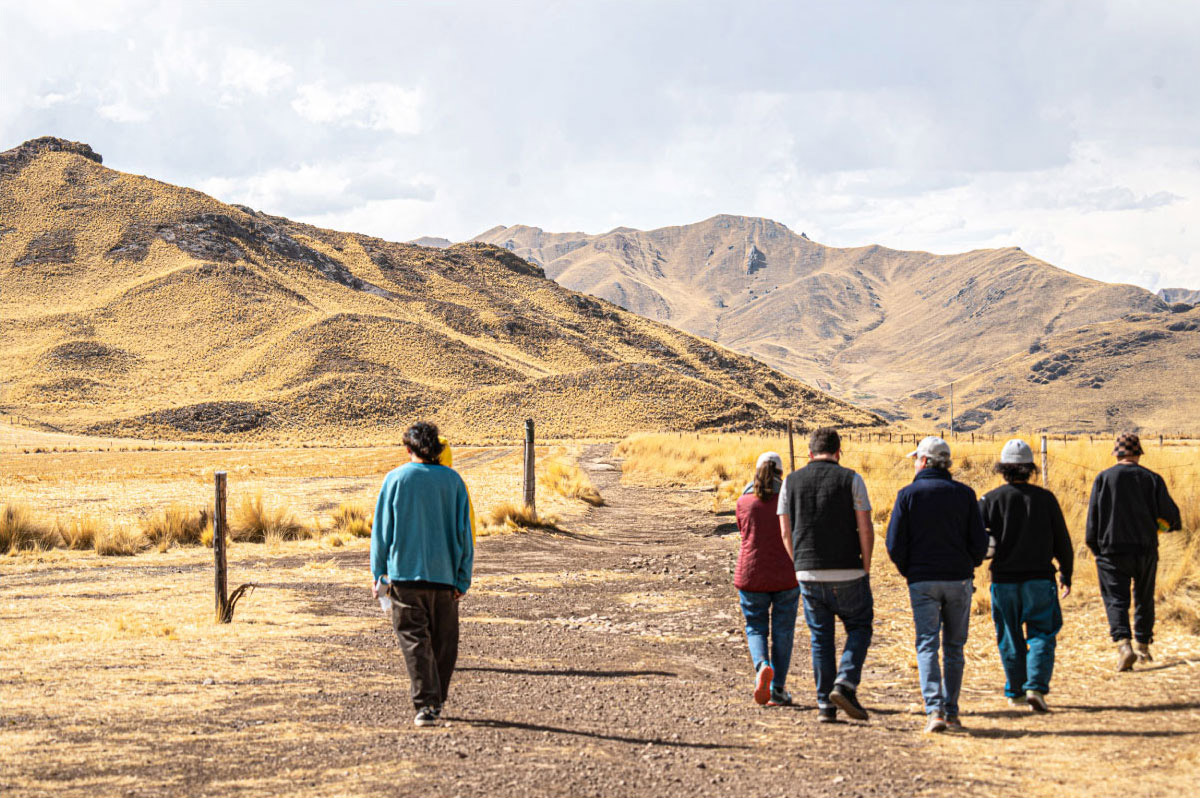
(725, 464)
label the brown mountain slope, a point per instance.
(135, 306)
(870, 324)
(1134, 373)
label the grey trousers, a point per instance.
(426, 624)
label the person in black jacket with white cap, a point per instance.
(1129, 506)
(1030, 533)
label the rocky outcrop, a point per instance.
(14, 160)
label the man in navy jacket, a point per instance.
(937, 539)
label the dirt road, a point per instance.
(609, 661)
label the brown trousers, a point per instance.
(426, 624)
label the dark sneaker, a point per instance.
(827, 715)
(936, 725)
(1125, 656)
(762, 683)
(953, 724)
(426, 716)
(779, 698)
(845, 700)
(1037, 701)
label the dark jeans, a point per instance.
(426, 624)
(1027, 618)
(1116, 571)
(772, 614)
(824, 603)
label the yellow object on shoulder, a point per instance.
(446, 458)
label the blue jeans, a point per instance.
(824, 603)
(774, 613)
(1027, 618)
(936, 605)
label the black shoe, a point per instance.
(827, 715)
(425, 717)
(847, 702)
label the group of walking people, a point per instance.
(808, 537)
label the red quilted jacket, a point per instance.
(763, 564)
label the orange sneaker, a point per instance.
(762, 683)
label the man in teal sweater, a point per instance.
(421, 559)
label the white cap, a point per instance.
(1016, 451)
(769, 457)
(932, 446)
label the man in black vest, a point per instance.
(825, 519)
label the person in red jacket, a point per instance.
(766, 583)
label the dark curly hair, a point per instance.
(1015, 472)
(422, 440)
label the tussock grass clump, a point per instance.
(513, 516)
(120, 541)
(254, 521)
(177, 526)
(20, 531)
(79, 532)
(354, 520)
(569, 481)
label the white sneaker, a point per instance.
(936, 725)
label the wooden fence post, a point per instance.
(791, 448)
(530, 492)
(1045, 462)
(219, 524)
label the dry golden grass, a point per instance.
(20, 531)
(569, 480)
(353, 519)
(119, 541)
(79, 532)
(177, 526)
(513, 516)
(255, 521)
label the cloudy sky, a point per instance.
(1071, 129)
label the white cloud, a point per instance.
(321, 188)
(246, 71)
(122, 111)
(373, 106)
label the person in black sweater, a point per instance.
(1129, 506)
(1030, 533)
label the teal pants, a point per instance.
(1027, 618)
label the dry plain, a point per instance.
(603, 659)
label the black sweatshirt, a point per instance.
(1030, 531)
(1126, 505)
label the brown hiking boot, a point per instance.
(1125, 656)
(1142, 650)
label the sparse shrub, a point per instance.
(177, 526)
(354, 520)
(570, 482)
(19, 531)
(511, 516)
(120, 541)
(256, 522)
(79, 532)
